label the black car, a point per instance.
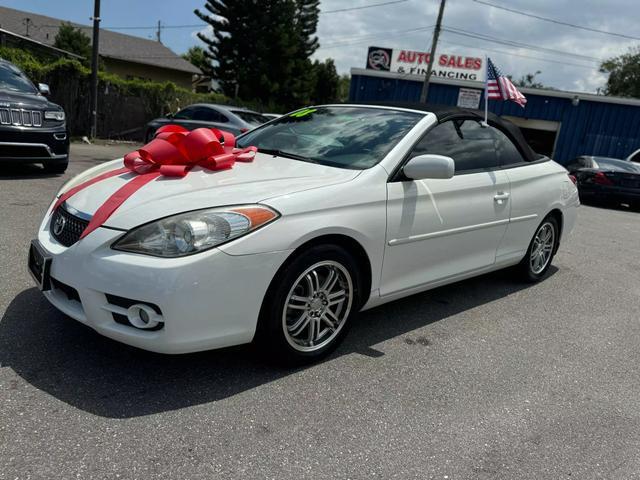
(606, 180)
(235, 120)
(32, 129)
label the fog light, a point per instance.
(142, 316)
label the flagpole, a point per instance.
(486, 89)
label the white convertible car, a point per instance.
(345, 207)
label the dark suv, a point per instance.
(32, 129)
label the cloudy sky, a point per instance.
(344, 37)
(567, 57)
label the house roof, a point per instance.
(39, 44)
(112, 44)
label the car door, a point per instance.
(442, 228)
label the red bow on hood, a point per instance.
(175, 150)
(172, 153)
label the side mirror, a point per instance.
(429, 166)
(43, 88)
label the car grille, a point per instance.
(68, 227)
(20, 117)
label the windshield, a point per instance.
(13, 79)
(347, 137)
(251, 118)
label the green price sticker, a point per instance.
(303, 113)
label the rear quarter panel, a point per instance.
(536, 190)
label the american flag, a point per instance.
(499, 87)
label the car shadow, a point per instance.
(17, 171)
(74, 364)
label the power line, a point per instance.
(558, 22)
(520, 55)
(363, 7)
(513, 43)
(199, 25)
(370, 37)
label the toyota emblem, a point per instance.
(58, 225)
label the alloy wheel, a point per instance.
(317, 306)
(542, 248)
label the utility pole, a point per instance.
(158, 32)
(94, 69)
(27, 22)
(434, 43)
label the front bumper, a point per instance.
(34, 144)
(206, 301)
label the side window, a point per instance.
(185, 113)
(207, 114)
(220, 117)
(573, 164)
(471, 146)
(203, 114)
(507, 152)
(579, 162)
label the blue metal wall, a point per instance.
(590, 128)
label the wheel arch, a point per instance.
(557, 214)
(348, 243)
(352, 246)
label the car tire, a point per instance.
(535, 264)
(58, 167)
(306, 294)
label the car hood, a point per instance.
(266, 177)
(25, 100)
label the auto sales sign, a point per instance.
(457, 67)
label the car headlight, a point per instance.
(194, 232)
(57, 115)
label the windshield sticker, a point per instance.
(303, 113)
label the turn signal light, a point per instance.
(256, 215)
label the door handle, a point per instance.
(500, 197)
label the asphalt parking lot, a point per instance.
(484, 379)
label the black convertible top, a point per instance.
(447, 112)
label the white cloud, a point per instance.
(345, 36)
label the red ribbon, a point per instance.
(172, 153)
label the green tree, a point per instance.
(196, 55)
(624, 74)
(344, 87)
(529, 80)
(326, 82)
(260, 50)
(73, 40)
